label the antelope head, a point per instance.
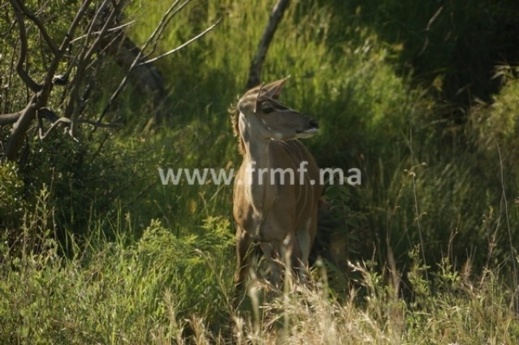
(263, 117)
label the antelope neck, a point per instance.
(257, 155)
(256, 147)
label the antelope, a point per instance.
(281, 217)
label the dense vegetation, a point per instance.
(421, 96)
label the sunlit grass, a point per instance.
(163, 289)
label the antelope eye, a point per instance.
(267, 108)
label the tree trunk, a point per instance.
(257, 63)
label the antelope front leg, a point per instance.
(305, 238)
(243, 248)
(283, 257)
(272, 253)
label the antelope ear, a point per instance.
(273, 90)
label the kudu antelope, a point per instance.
(279, 214)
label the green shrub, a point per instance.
(11, 196)
(110, 291)
(494, 126)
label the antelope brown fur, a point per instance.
(280, 217)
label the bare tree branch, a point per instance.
(61, 120)
(166, 18)
(55, 120)
(41, 95)
(85, 55)
(7, 119)
(101, 36)
(182, 45)
(20, 128)
(158, 30)
(101, 125)
(257, 63)
(117, 28)
(31, 84)
(145, 77)
(40, 26)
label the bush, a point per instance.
(111, 290)
(12, 201)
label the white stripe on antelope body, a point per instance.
(273, 209)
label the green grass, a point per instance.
(166, 289)
(112, 291)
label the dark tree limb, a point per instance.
(134, 56)
(261, 52)
(7, 119)
(53, 118)
(101, 125)
(168, 16)
(73, 108)
(182, 45)
(31, 84)
(103, 35)
(42, 92)
(40, 27)
(140, 72)
(117, 28)
(145, 78)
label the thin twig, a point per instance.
(101, 125)
(84, 57)
(117, 28)
(182, 45)
(170, 13)
(40, 97)
(513, 251)
(40, 26)
(166, 18)
(61, 120)
(35, 87)
(428, 28)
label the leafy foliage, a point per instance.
(12, 202)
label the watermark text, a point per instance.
(261, 176)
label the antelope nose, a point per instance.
(314, 124)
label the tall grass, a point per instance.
(166, 289)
